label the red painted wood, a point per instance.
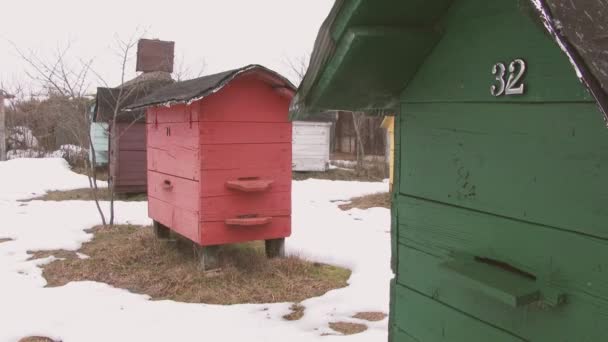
(245, 132)
(248, 184)
(241, 131)
(228, 207)
(182, 193)
(215, 180)
(175, 113)
(130, 136)
(219, 233)
(248, 221)
(175, 161)
(174, 135)
(245, 156)
(182, 221)
(246, 99)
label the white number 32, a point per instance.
(514, 84)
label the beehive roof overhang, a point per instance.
(107, 99)
(367, 51)
(198, 88)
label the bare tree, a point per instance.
(59, 77)
(183, 71)
(298, 66)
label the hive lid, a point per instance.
(198, 88)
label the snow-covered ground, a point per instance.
(90, 311)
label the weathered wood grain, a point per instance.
(540, 163)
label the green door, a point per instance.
(501, 230)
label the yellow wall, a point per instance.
(389, 124)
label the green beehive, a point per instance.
(500, 197)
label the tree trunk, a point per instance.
(2, 129)
(360, 148)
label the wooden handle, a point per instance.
(253, 184)
(504, 284)
(167, 185)
(249, 221)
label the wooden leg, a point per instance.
(161, 231)
(207, 257)
(275, 248)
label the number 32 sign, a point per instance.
(514, 84)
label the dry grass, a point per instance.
(348, 328)
(101, 174)
(132, 258)
(297, 312)
(382, 199)
(86, 195)
(339, 174)
(370, 316)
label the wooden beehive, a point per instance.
(499, 220)
(219, 157)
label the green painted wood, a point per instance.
(427, 320)
(571, 270)
(459, 68)
(413, 13)
(512, 289)
(542, 163)
(379, 76)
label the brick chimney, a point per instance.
(155, 55)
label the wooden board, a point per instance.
(260, 204)
(179, 192)
(459, 67)
(214, 183)
(245, 156)
(246, 99)
(175, 113)
(564, 263)
(423, 319)
(213, 133)
(217, 233)
(180, 220)
(539, 163)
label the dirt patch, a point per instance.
(339, 174)
(37, 339)
(382, 200)
(297, 312)
(346, 328)
(86, 195)
(132, 258)
(5, 240)
(370, 316)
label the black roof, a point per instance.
(198, 88)
(107, 99)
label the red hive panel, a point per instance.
(220, 169)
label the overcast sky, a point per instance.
(222, 34)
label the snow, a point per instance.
(91, 311)
(26, 178)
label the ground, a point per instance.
(357, 239)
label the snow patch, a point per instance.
(91, 311)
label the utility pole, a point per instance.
(3, 96)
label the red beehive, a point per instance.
(219, 157)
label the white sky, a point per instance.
(225, 34)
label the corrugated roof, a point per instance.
(198, 88)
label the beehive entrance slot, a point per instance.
(505, 266)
